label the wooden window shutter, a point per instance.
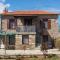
(49, 24)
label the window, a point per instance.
(11, 40)
(12, 24)
(25, 39)
(27, 21)
(46, 24)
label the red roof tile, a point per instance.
(28, 13)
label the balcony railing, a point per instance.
(26, 29)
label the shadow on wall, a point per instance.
(43, 37)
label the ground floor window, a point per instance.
(11, 40)
(25, 39)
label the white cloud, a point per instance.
(2, 0)
(7, 5)
(3, 6)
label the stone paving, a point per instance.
(28, 52)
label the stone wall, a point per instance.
(18, 41)
(32, 37)
(20, 21)
(19, 45)
(53, 32)
(4, 24)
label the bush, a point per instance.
(57, 43)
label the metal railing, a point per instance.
(26, 29)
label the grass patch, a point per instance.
(57, 43)
(53, 57)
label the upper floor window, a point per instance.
(12, 24)
(47, 23)
(27, 21)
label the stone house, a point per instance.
(27, 29)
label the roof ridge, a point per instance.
(31, 12)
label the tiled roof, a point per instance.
(28, 13)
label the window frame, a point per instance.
(9, 40)
(28, 21)
(23, 42)
(45, 20)
(46, 24)
(15, 22)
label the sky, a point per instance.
(49, 5)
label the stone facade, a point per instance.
(19, 45)
(32, 36)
